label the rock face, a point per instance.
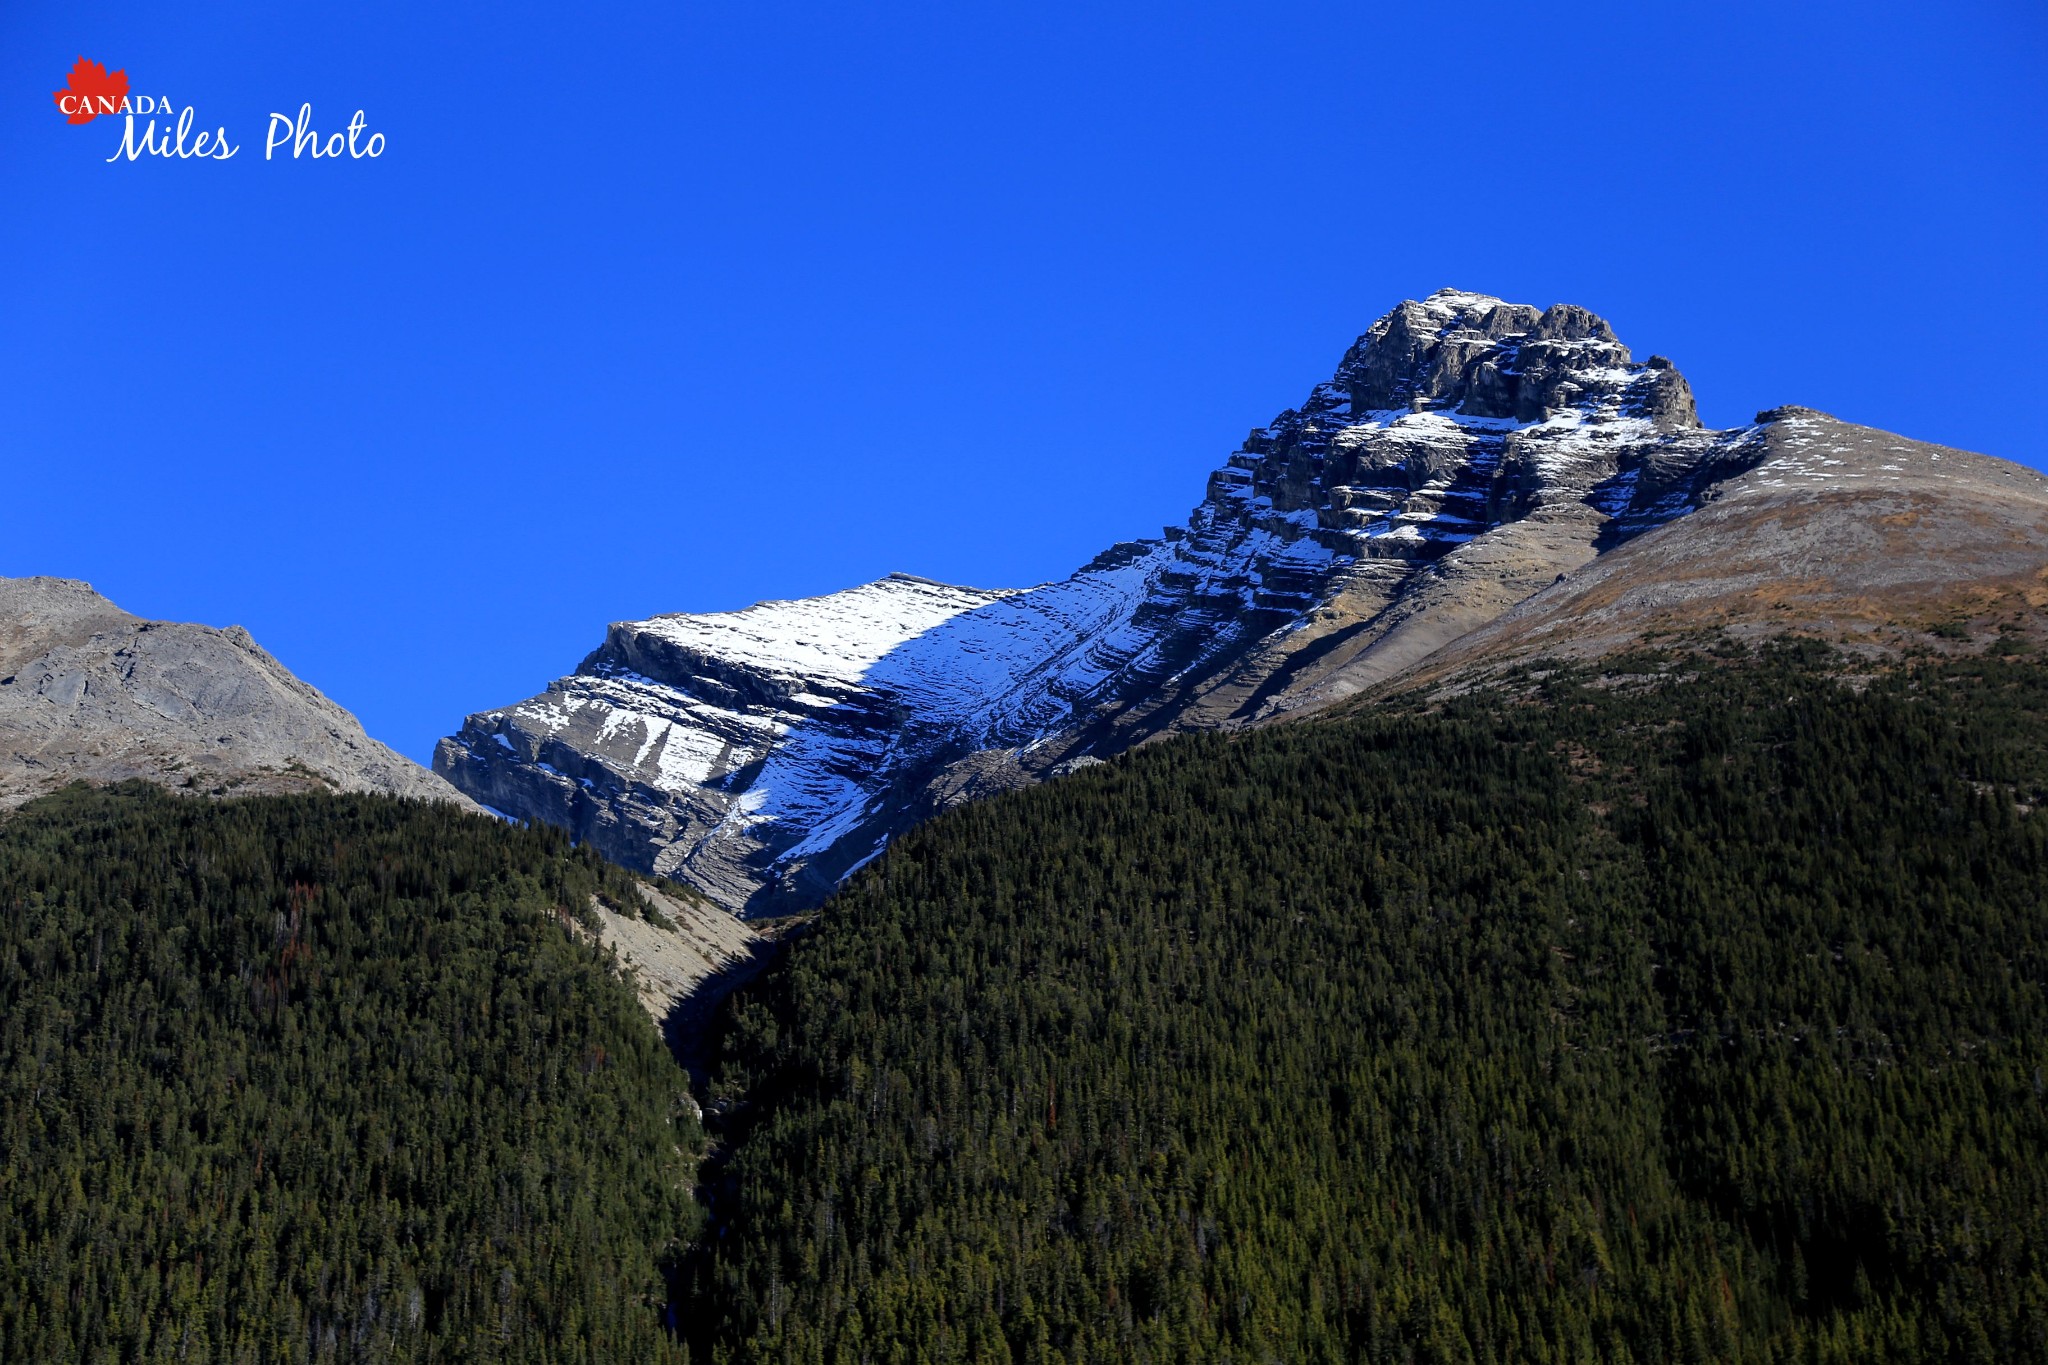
(682, 957)
(1467, 453)
(1866, 539)
(89, 692)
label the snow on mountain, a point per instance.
(1465, 449)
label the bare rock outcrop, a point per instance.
(1466, 453)
(1479, 481)
(682, 956)
(89, 692)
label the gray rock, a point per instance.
(1569, 322)
(1477, 481)
(1666, 399)
(89, 692)
(760, 755)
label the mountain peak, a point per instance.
(1467, 451)
(1484, 357)
(90, 692)
(1469, 455)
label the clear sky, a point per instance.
(677, 306)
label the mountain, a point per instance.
(1868, 539)
(88, 691)
(1469, 456)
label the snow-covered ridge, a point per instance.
(762, 753)
(837, 637)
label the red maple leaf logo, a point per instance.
(85, 90)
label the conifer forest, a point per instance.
(1690, 1008)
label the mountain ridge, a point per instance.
(1466, 455)
(94, 693)
(1871, 540)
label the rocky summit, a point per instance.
(91, 693)
(1468, 456)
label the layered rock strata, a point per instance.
(1467, 453)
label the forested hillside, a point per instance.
(322, 1078)
(1690, 1012)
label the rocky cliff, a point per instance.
(89, 692)
(1467, 455)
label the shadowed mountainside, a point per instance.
(1477, 476)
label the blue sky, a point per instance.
(664, 307)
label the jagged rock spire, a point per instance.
(1487, 358)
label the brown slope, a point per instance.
(1842, 532)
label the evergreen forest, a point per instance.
(323, 1078)
(1689, 1011)
(1693, 1008)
